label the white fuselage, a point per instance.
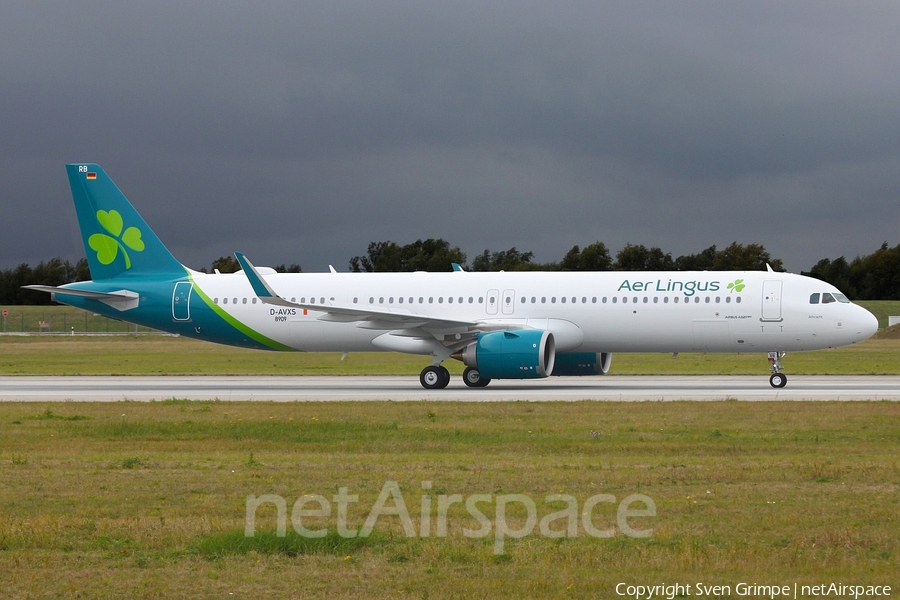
(708, 311)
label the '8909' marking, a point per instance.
(281, 314)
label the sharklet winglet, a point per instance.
(262, 289)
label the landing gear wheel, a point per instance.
(778, 380)
(434, 377)
(473, 379)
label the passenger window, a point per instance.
(814, 299)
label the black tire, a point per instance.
(472, 378)
(778, 380)
(434, 378)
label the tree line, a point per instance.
(872, 277)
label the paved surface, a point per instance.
(305, 389)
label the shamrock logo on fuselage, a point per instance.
(737, 286)
(107, 247)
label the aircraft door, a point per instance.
(492, 301)
(181, 301)
(509, 301)
(771, 300)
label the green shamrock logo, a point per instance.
(107, 247)
(737, 286)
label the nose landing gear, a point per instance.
(778, 379)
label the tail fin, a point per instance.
(117, 240)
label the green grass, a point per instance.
(61, 319)
(164, 355)
(148, 500)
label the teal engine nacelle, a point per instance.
(518, 354)
(582, 363)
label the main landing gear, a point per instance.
(434, 377)
(437, 377)
(778, 379)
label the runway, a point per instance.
(324, 389)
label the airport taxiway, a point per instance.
(370, 388)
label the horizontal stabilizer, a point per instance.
(120, 299)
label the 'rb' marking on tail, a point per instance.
(117, 240)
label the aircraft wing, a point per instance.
(368, 318)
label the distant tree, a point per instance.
(421, 255)
(641, 258)
(877, 276)
(593, 258)
(294, 268)
(704, 260)
(504, 260)
(752, 257)
(55, 271)
(837, 272)
(226, 264)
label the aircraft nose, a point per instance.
(865, 324)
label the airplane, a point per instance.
(506, 325)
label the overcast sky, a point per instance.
(298, 132)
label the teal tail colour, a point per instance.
(117, 240)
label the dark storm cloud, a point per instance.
(299, 132)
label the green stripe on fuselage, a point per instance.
(262, 340)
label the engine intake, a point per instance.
(515, 354)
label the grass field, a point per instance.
(150, 355)
(148, 500)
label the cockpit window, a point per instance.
(827, 299)
(814, 298)
(842, 298)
